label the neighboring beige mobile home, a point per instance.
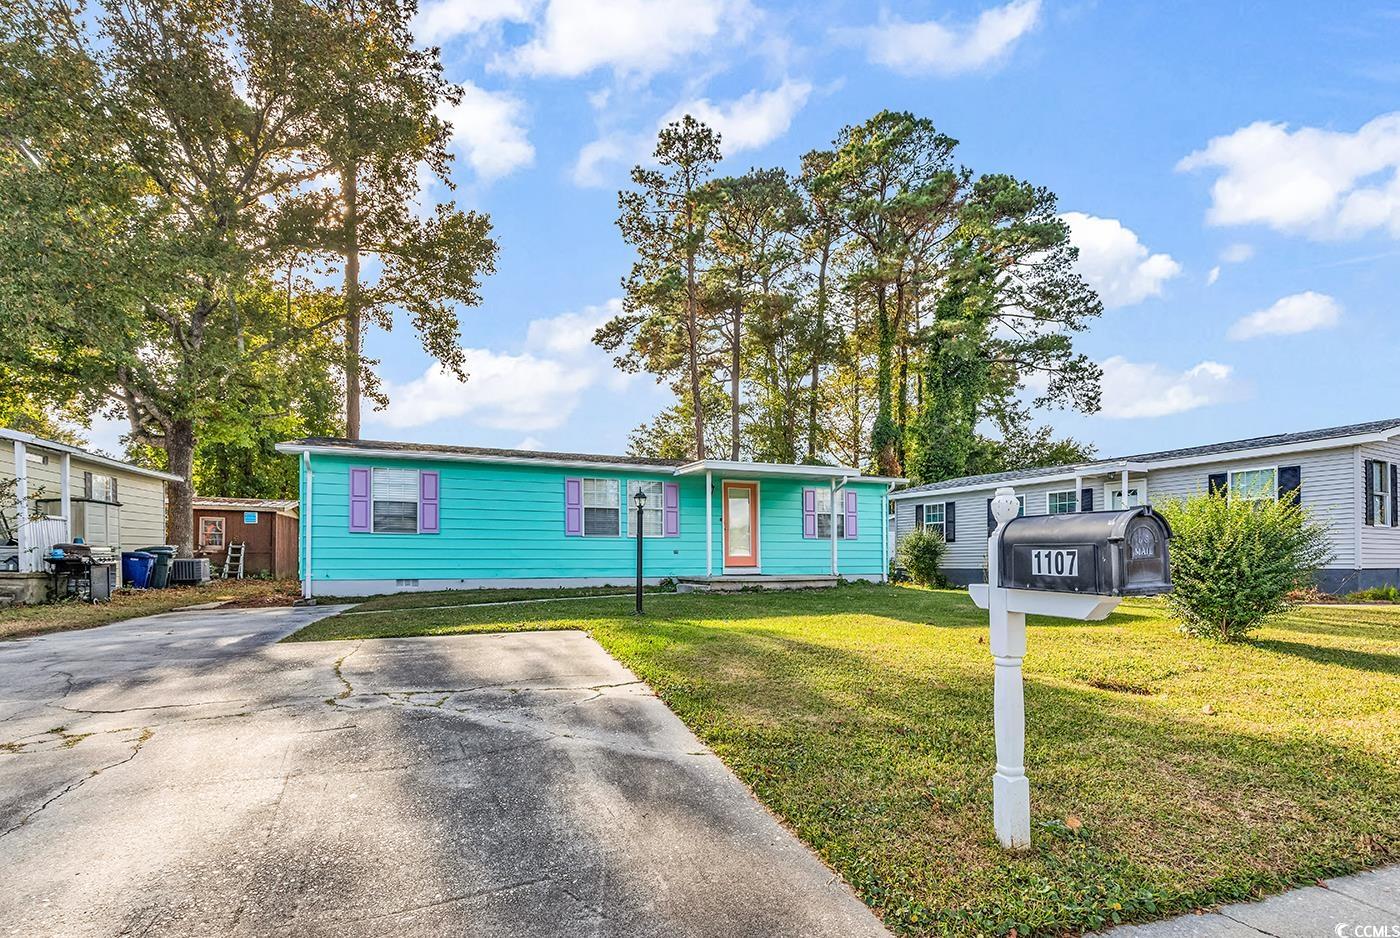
(108, 503)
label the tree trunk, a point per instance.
(179, 453)
(350, 188)
(734, 382)
(818, 350)
(883, 435)
(692, 328)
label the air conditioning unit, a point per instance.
(190, 570)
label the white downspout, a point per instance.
(306, 502)
(834, 490)
(709, 525)
(26, 564)
(65, 493)
(885, 534)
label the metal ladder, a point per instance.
(233, 561)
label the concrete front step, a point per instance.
(730, 583)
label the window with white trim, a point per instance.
(1062, 503)
(1380, 493)
(394, 501)
(211, 532)
(602, 511)
(653, 514)
(934, 519)
(1253, 485)
(824, 515)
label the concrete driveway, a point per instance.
(185, 775)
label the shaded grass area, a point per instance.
(19, 621)
(1167, 773)
(417, 600)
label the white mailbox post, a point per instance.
(1073, 566)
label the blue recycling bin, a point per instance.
(136, 568)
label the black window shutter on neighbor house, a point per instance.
(950, 522)
(1394, 503)
(1370, 490)
(1218, 483)
(1086, 500)
(87, 485)
(991, 519)
(918, 517)
(1290, 484)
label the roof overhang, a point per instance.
(620, 465)
(736, 469)
(29, 439)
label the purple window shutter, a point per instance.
(672, 504)
(852, 516)
(429, 515)
(809, 512)
(359, 499)
(573, 507)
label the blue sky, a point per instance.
(1231, 170)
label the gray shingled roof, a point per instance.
(410, 448)
(1212, 449)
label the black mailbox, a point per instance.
(1108, 553)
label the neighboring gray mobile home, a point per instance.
(1346, 476)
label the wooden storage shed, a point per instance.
(267, 527)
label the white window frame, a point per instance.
(1380, 518)
(417, 498)
(1114, 488)
(826, 513)
(655, 507)
(1231, 488)
(616, 485)
(1073, 497)
(942, 523)
(203, 536)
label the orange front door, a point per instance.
(740, 524)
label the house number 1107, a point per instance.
(1055, 562)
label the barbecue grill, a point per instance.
(71, 567)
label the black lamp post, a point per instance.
(641, 499)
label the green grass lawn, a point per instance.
(1167, 773)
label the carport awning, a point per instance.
(731, 469)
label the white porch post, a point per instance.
(709, 525)
(833, 526)
(1011, 790)
(26, 564)
(1078, 493)
(65, 494)
(1123, 502)
(308, 497)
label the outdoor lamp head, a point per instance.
(1005, 506)
(640, 498)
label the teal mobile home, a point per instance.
(384, 517)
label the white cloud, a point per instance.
(936, 48)
(1213, 276)
(1237, 253)
(1301, 312)
(530, 443)
(1147, 389)
(439, 21)
(751, 121)
(1116, 264)
(1320, 183)
(487, 127)
(638, 37)
(537, 389)
(744, 123)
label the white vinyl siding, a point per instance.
(139, 522)
(1380, 545)
(1331, 490)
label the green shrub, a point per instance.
(1235, 562)
(921, 553)
(1375, 594)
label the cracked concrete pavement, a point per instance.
(184, 774)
